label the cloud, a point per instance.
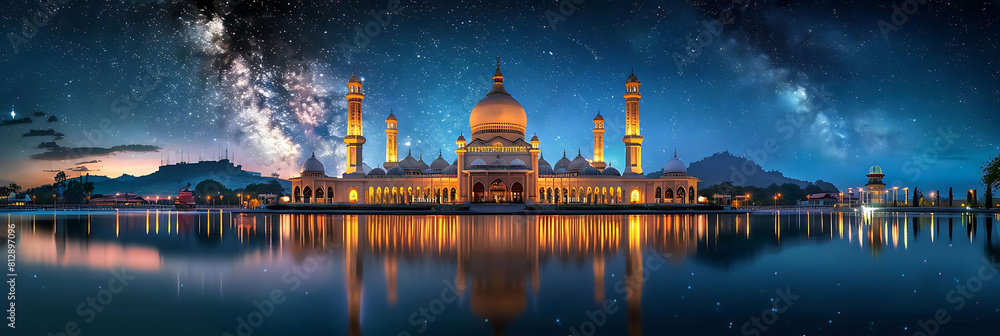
(16, 122)
(48, 145)
(52, 119)
(38, 114)
(82, 169)
(87, 162)
(71, 153)
(48, 132)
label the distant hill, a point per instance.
(724, 166)
(167, 180)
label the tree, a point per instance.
(951, 197)
(991, 178)
(916, 198)
(209, 188)
(60, 177)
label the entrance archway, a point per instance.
(517, 193)
(498, 191)
(478, 193)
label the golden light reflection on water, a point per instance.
(496, 258)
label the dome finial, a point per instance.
(675, 153)
(498, 62)
(314, 154)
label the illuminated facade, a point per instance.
(496, 164)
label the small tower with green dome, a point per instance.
(875, 185)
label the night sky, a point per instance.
(816, 86)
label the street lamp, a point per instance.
(932, 198)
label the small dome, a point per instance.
(598, 117)
(675, 166)
(545, 170)
(542, 162)
(451, 170)
(312, 165)
(396, 171)
(498, 162)
(440, 163)
(578, 163)
(632, 78)
(431, 171)
(562, 163)
(534, 138)
(875, 170)
(423, 165)
(611, 171)
(478, 162)
(391, 117)
(517, 163)
(354, 79)
(410, 164)
(590, 171)
(376, 172)
(461, 137)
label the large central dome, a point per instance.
(498, 114)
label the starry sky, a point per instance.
(817, 90)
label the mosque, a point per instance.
(496, 164)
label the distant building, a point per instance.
(821, 199)
(13, 200)
(118, 199)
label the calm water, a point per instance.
(201, 273)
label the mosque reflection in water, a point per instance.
(497, 259)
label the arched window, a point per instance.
(516, 193)
(541, 195)
(604, 195)
(590, 196)
(557, 195)
(565, 194)
(680, 195)
(572, 195)
(352, 197)
(634, 197)
(478, 193)
(548, 195)
(319, 195)
(297, 194)
(618, 197)
(659, 193)
(368, 197)
(691, 195)
(453, 198)
(668, 195)
(329, 194)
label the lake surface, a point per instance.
(212, 272)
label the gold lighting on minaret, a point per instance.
(390, 141)
(632, 139)
(599, 142)
(354, 139)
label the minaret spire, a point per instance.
(498, 81)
